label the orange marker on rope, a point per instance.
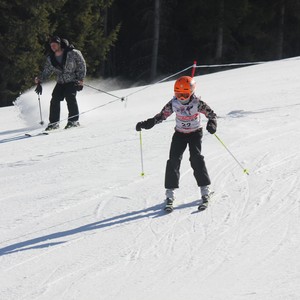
(194, 68)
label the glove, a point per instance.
(39, 89)
(79, 86)
(211, 126)
(148, 124)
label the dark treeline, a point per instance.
(141, 40)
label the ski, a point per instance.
(205, 201)
(203, 206)
(32, 134)
(36, 134)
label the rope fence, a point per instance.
(194, 66)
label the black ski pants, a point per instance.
(63, 91)
(178, 146)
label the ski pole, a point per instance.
(42, 122)
(142, 160)
(245, 170)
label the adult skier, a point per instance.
(70, 67)
(188, 131)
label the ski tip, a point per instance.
(168, 209)
(36, 134)
(202, 208)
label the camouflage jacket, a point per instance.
(72, 68)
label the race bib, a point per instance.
(187, 116)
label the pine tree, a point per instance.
(23, 25)
(83, 23)
(25, 28)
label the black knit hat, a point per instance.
(55, 39)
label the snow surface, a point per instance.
(79, 222)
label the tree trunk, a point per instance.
(155, 40)
(105, 19)
(281, 29)
(220, 33)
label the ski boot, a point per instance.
(71, 124)
(169, 200)
(169, 205)
(203, 205)
(52, 126)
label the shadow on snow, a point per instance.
(154, 212)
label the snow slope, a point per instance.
(79, 222)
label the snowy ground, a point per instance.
(79, 222)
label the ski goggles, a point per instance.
(182, 96)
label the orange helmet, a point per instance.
(184, 88)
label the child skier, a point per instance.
(188, 131)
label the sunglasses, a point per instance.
(182, 96)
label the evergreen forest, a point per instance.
(142, 40)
